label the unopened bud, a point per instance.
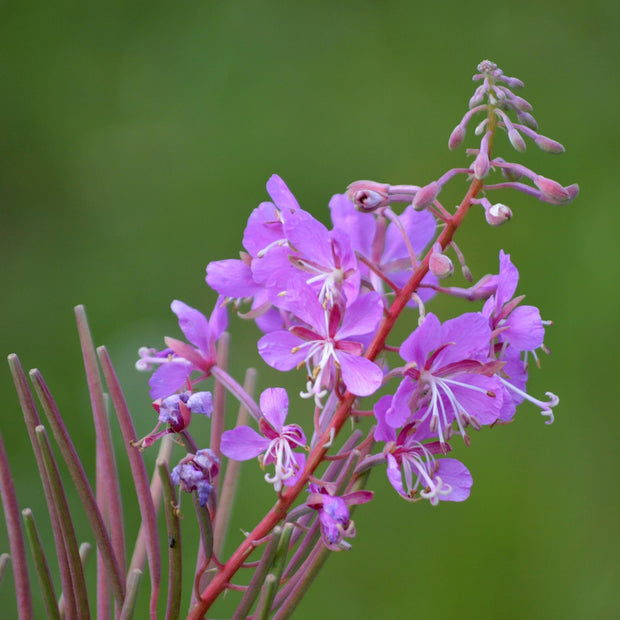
(368, 195)
(511, 82)
(527, 119)
(573, 191)
(481, 164)
(456, 137)
(426, 196)
(552, 190)
(520, 103)
(497, 214)
(516, 140)
(511, 174)
(548, 145)
(439, 264)
(480, 127)
(478, 97)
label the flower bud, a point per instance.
(511, 82)
(497, 214)
(548, 145)
(368, 195)
(552, 190)
(481, 165)
(516, 140)
(511, 174)
(573, 191)
(456, 137)
(425, 196)
(478, 97)
(439, 264)
(527, 119)
(480, 127)
(520, 103)
(195, 472)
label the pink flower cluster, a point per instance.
(325, 300)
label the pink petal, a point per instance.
(242, 443)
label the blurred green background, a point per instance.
(136, 138)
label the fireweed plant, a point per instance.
(326, 301)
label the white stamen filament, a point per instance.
(545, 407)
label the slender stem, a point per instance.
(32, 420)
(259, 575)
(219, 401)
(309, 571)
(140, 478)
(266, 596)
(107, 483)
(229, 486)
(16, 537)
(82, 485)
(5, 560)
(42, 567)
(236, 390)
(138, 557)
(175, 565)
(68, 533)
(133, 582)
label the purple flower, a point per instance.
(276, 443)
(334, 515)
(519, 326)
(385, 243)
(327, 345)
(176, 411)
(313, 256)
(179, 360)
(517, 329)
(412, 468)
(234, 278)
(195, 472)
(447, 377)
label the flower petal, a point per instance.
(168, 378)
(274, 406)
(243, 443)
(454, 473)
(193, 324)
(361, 376)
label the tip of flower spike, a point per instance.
(486, 66)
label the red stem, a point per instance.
(279, 511)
